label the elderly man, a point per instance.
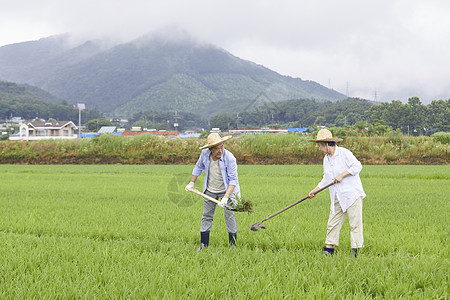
(221, 181)
(341, 167)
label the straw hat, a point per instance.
(324, 135)
(214, 139)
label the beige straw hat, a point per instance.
(324, 135)
(214, 139)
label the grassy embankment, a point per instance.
(105, 232)
(256, 149)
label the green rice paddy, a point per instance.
(130, 231)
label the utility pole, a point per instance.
(176, 121)
(80, 106)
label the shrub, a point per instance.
(442, 137)
(248, 149)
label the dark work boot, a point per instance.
(204, 239)
(232, 238)
(354, 252)
(328, 251)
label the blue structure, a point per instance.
(299, 130)
(87, 135)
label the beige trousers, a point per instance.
(336, 220)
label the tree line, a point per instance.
(410, 118)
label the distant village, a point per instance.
(17, 129)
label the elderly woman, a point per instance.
(221, 181)
(341, 167)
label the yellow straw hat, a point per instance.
(324, 135)
(214, 139)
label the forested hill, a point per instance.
(150, 73)
(28, 102)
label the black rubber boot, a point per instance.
(232, 238)
(328, 251)
(354, 252)
(204, 239)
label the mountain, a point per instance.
(150, 73)
(16, 59)
(29, 102)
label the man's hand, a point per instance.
(224, 202)
(189, 186)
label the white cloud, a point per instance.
(398, 47)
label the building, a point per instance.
(107, 129)
(166, 133)
(189, 134)
(45, 130)
(240, 131)
(301, 130)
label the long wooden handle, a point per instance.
(295, 203)
(193, 190)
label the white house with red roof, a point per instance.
(46, 130)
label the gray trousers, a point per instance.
(209, 208)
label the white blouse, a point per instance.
(350, 188)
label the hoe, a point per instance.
(259, 225)
(195, 191)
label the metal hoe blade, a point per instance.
(230, 208)
(256, 226)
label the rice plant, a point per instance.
(130, 231)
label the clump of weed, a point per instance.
(241, 205)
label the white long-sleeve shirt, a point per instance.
(350, 188)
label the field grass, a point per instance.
(130, 231)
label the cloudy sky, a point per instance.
(384, 50)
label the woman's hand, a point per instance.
(341, 176)
(312, 194)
